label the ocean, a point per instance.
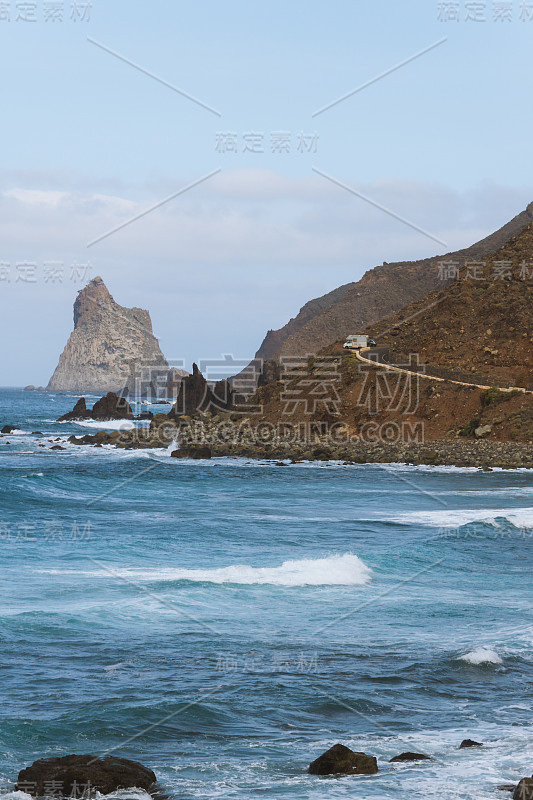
(225, 622)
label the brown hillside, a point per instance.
(376, 405)
(477, 330)
(380, 292)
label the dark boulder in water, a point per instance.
(469, 743)
(410, 757)
(145, 415)
(71, 776)
(524, 790)
(79, 411)
(192, 452)
(8, 429)
(339, 759)
(111, 406)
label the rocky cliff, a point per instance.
(380, 292)
(107, 342)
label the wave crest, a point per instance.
(482, 655)
(339, 570)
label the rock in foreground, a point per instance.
(339, 759)
(524, 790)
(71, 776)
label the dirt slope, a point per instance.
(380, 292)
(478, 330)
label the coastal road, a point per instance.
(378, 361)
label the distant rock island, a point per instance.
(106, 343)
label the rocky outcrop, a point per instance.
(340, 760)
(107, 346)
(236, 436)
(196, 395)
(71, 776)
(174, 378)
(469, 743)
(111, 406)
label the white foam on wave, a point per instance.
(110, 424)
(453, 518)
(133, 793)
(340, 570)
(112, 668)
(170, 449)
(441, 468)
(482, 655)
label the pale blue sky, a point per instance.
(88, 142)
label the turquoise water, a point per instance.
(225, 622)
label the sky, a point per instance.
(221, 121)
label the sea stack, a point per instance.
(107, 342)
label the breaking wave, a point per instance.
(110, 424)
(341, 570)
(519, 517)
(482, 655)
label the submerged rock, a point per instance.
(339, 759)
(410, 757)
(469, 743)
(70, 776)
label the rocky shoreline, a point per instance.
(222, 435)
(86, 775)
